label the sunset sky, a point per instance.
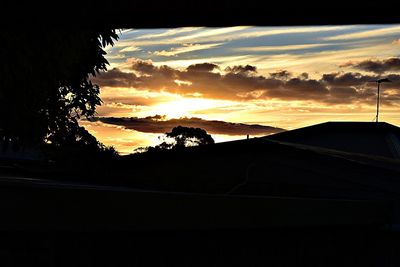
(285, 77)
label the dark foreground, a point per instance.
(257, 202)
(329, 246)
(52, 224)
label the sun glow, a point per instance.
(185, 107)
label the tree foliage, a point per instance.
(45, 85)
(188, 136)
(181, 137)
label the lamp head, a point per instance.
(385, 80)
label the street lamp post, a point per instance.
(377, 98)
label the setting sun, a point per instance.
(185, 107)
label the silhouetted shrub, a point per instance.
(180, 137)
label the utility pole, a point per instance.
(377, 103)
(377, 97)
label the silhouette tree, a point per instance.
(188, 136)
(45, 85)
(181, 137)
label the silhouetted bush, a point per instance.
(179, 138)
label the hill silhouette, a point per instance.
(379, 139)
(258, 166)
(236, 194)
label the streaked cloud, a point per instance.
(185, 48)
(270, 31)
(209, 32)
(366, 34)
(130, 49)
(279, 47)
(168, 33)
(221, 34)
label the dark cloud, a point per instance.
(342, 95)
(346, 79)
(304, 76)
(143, 67)
(394, 81)
(240, 68)
(207, 67)
(244, 83)
(115, 78)
(158, 124)
(376, 66)
(297, 88)
(306, 87)
(343, 92)
(282, 74)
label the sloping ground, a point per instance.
(248, 167)
(381, 139)
(316, 172)
(67, 219)
(132, 193)
(249, 184)
(264, 167)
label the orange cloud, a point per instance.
(243, 83)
